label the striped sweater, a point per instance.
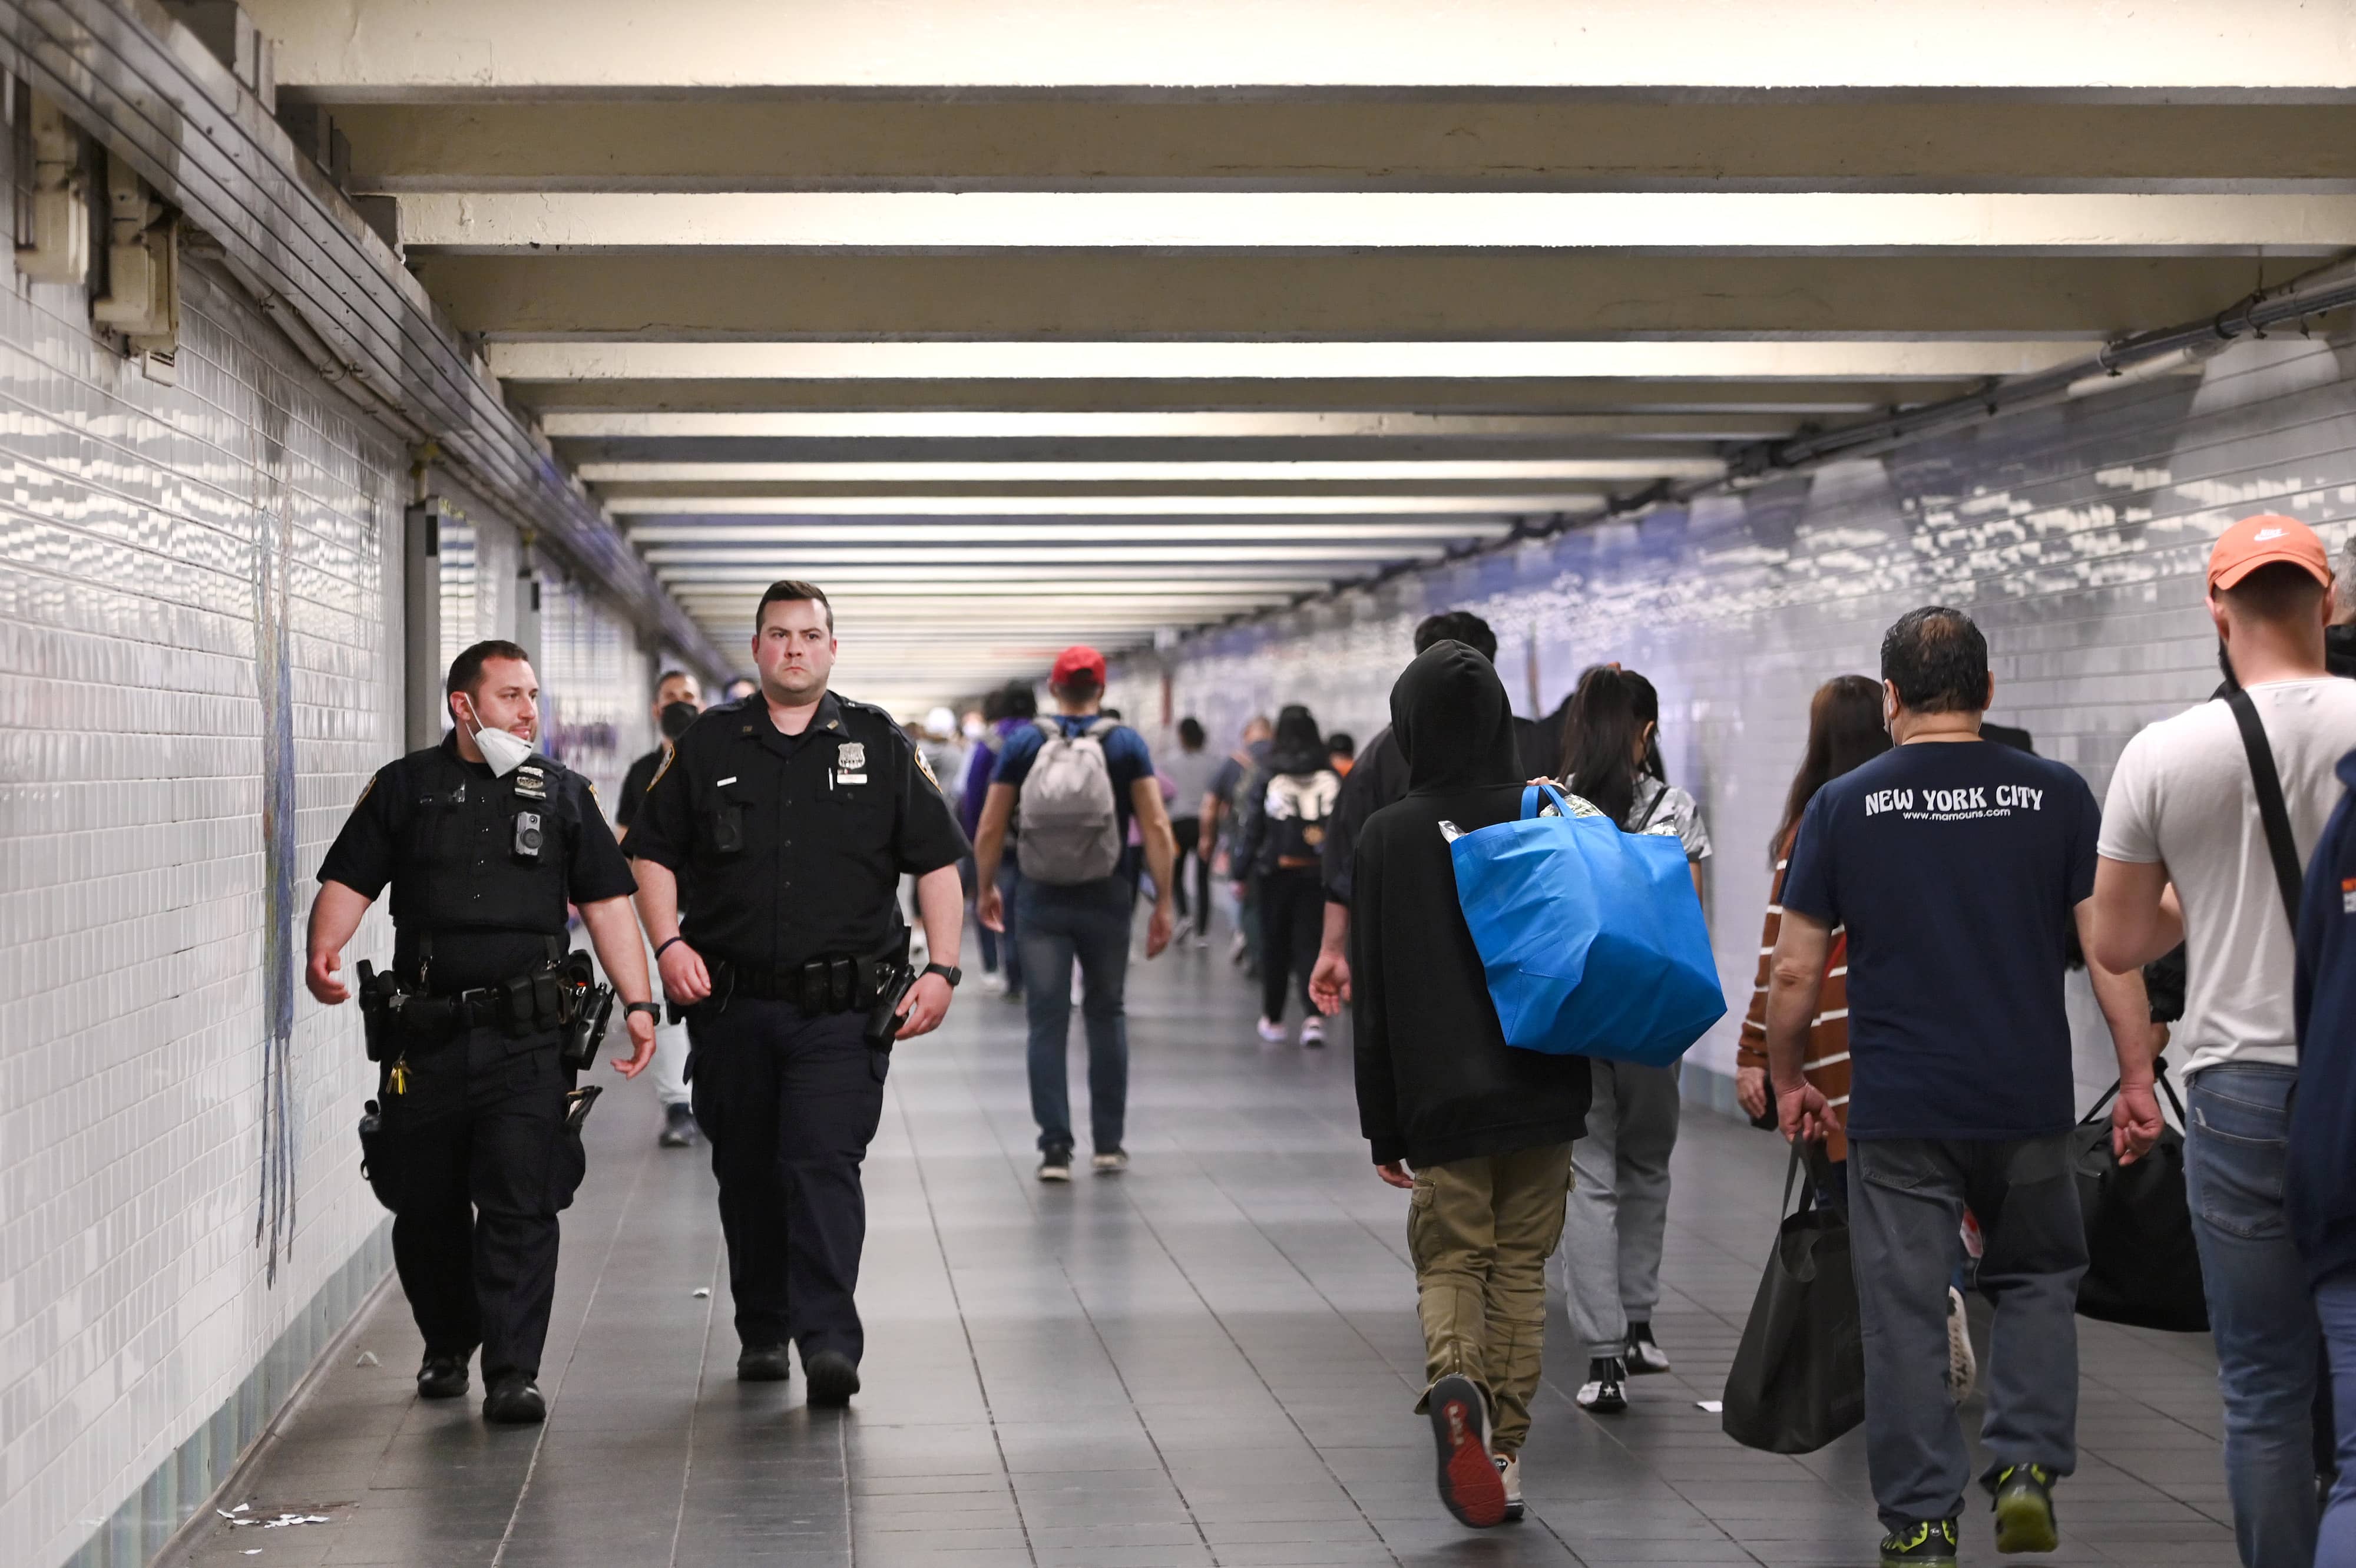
(1827, 1057)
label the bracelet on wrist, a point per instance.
(663, 948)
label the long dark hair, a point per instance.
(1607, 711)
(1844, 732)
(1299, 746)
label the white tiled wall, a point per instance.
(2075, 535)
(154, 543)
(199, 604)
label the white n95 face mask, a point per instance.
(503, 751)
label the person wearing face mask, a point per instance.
(679, 703)
(782, 825)
(484, 842)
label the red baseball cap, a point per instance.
(2260, 541)
(1077, 659)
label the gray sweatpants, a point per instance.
(1906, 1197)
(1619, 1204)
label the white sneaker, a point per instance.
(1055, 1165)
(1312, 1030)
(993, 983)
(1963, 1366)
(1112, 1161)
(1509, 1466)
(1271, 1031)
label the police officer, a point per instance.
(484, 841)
(784, 820)
(678, 701)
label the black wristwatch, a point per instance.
(946, 972)
(652, 1009)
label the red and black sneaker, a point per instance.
(1469, 1482)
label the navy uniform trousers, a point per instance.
(790, 1102)
(481, 1164)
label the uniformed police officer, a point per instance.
(786, 821)
(484, 841)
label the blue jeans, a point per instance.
(1010, 915)
(1090, 921)
(2260, 1310)
(2335, 1303)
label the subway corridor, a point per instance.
(1210, 1359)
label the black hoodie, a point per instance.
(1435, 1080)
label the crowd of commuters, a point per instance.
(1934, 883)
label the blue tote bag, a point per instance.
(1592, 938)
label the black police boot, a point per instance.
(833, 1378)
(442, 1376)
(514, 1400)
(678, 1127)
(763, 1364)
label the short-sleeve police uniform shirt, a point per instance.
(634, 788)
(790, 848)
(442, 832)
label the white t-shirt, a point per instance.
(2182, 795)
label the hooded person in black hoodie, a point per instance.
(1485, 1130)
(1290, 802)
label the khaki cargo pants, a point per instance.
(1480, 1231)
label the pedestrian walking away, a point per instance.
(473, 1140)
(2184, 813)
(1285, 807)
(1074, 782)
(1189, 769)
(678, 703)
(1479, 1133)
(1620, 1191)
(1956, 865)
(782, 827)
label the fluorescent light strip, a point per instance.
(987, 577)
(1535, 470)
(919, 584)
(1714, 359)
(1110, 553)
(1690, 220)
(1027, 425)
(1091, 506)
(1112, 533)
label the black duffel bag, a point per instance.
(2142, 1267)
(1798, 1377)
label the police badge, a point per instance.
(850, 757)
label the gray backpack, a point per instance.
(1070, 831)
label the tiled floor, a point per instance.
(1211, 1359)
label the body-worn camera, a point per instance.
(529, 835)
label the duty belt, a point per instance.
(821, 986)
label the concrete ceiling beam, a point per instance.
(1109, 532)
(944, 477)
(1305, 142)
(1064, 459)
(1154, 501)
(399, 46)
(1808, 222)
(1371, 296)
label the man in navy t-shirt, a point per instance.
(1084, 919)
(1958, 866)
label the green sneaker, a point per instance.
(1926, 1543)
(2024, 1510)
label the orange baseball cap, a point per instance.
(2260, 541)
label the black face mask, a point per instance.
(677, 717)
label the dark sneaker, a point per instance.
(514, 1400)
(1055, 1163)
(1109, 1162)
(831, 1377)
(763, 1364)
(2024, 1510)
(1926, 1543)
(1470, 1484)
(1606, 1390)
(442, 1378)
(678, 1127)
(1644, 1356)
